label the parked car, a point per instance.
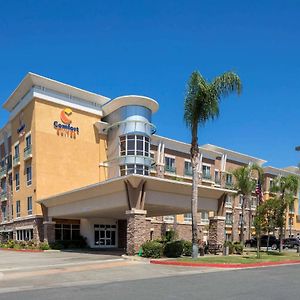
(291, 243)
(273, 242)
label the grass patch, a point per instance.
(247, 258)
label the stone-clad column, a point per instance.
(49, 231)
(216, 234)
(136, 230)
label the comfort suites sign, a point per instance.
(65, 128)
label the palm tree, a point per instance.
(200, 105)
(245, 185)
(286, 188)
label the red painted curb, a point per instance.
(22, 250)
(220, 265)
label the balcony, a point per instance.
(3, 196)
(170, 169)
(253, 207)
(16, 160)
(3, 172)
(28, 152)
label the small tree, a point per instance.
(265, 220)
(285, 188)
(245, 185)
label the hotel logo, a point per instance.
(66, 129)
(65, 114)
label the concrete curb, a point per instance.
(227, 266)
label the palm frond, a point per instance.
(227, 83)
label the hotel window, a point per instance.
(228, 219)
(152, 160)
(188, 218)
(18, 208)
(291, 221)
(12, 211)
(24, 235)
(169, 219)
(292, 209)
(206, 172)
(170, 164)
(240, 219)
(29, 175)
(17, 150)
(29, 205)
(188, 168)
(229, 179)
(17, 179)
(134, 169)
(271, 184)
(204, 217)
(241, 200)
(67, 232)
(217, 177)
(10, 180)
(134, 145)
(4, 214)
(228, 201)
(28, 141)
(253, 202)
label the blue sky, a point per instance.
(150, 47)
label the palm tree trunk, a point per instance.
(242, 221)
(194, 202)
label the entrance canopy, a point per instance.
(111, 198)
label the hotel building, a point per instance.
(77, 163)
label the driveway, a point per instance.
(17, 260)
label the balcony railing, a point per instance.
(228, 204)
(27, 152)
(206, 176)
(3, 196)
(188, 172)
(3, 171)
(16, 160)
(218, 180)
(228, 222)
(204, 221)
(229, 185)
(170, 169)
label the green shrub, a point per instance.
(187, 248)
(238, 248)
(10, 244)
(152, 249)
(170, 236)
(44, 246)
(58, 245)
(174, 249)
(18, 246)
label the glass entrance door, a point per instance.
(105, 235)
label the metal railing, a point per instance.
(3, 196)
(170, 169)
(28, 152)
(16, 160)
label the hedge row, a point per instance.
(155, 249)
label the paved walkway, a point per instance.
(32, 271)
